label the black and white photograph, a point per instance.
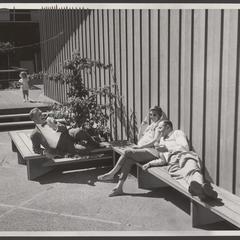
(119, 119)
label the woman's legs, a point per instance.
(139, 155)
(132, 156)
(110, 175)
(25, 95)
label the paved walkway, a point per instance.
(12, 98)
(76, 201)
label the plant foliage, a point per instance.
(83, 108)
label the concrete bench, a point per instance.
(226, 207)
(38, 165)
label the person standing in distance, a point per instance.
(24, 84)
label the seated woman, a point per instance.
(56, 138)
(142, 152)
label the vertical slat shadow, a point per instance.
(168, 65)
(150, 64)
(159, 54)
(141, 65)
(179, 68)
(220, 99)
(205, 172)
(191, 83)
(236, 111)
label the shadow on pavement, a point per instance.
(169, 194)
(89, 177)
(78, 176)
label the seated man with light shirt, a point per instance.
(183, 165)
(56, 138)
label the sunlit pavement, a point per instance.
(76, 201)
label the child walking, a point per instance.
(24, 83)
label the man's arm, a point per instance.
(155, 163)
(56, 125)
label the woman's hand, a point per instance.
(136, 147)
(145, 121)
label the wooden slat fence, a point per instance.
(185, 60)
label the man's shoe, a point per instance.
(205, 191)
(196, 189)
(209, 192)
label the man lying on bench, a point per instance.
(57, 139)
(182, 164)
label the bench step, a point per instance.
(14, 117)
(24, 110)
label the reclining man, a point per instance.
(183, 165)
(68, 141)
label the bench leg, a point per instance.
(21, 160)
(148, 181)
(36, 168)
(14, 149)
(202, 216)
(115, 158)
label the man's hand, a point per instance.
(161, 148)
(146, 166)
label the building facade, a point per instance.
(21, 29)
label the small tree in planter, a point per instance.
(82, 108)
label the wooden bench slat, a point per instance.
(227, 195)
(161, 172)
(25, 136)
(21, 146)
(27, 141)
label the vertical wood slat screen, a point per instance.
(186, 61)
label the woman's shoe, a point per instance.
(116, 192)
(105, 177)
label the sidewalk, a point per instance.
(76, 201)
(12, 98)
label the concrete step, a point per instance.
(21, 110)
(14, 117)
(7, 126)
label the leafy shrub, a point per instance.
(82, 108)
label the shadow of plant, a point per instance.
(127, 117)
